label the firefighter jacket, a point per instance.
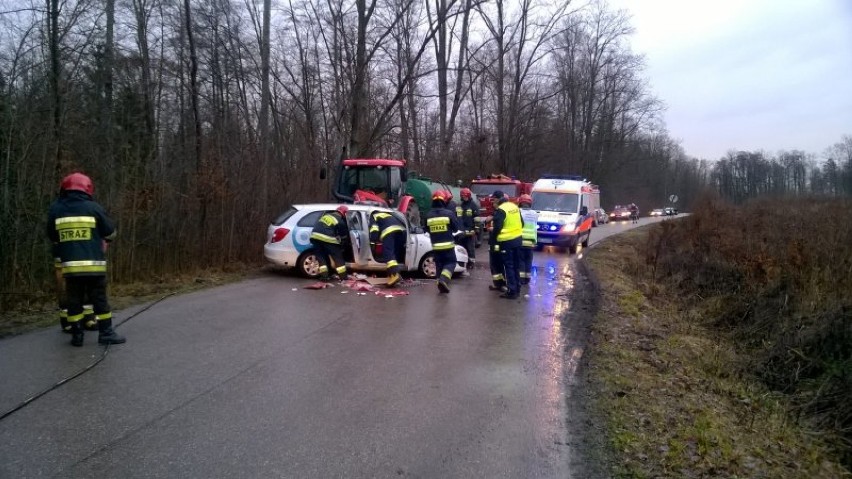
(382, 224)
(529, 234)
(330, 228)
(466, 212)
(441, 223)
(508, 225)
(78, 226)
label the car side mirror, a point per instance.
(584, 210)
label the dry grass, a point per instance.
(689, 353)
(40, 310)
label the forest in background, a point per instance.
(200, 121)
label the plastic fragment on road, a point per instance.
(319, 285)
(390, 293)
(295, 289)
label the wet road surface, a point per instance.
(255, 379)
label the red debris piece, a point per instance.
(392, 292)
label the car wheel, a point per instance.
(428, 267)
(308, 264)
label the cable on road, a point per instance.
(79, 373)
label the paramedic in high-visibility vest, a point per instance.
(529, 237)
(507, 229)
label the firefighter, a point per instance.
(529, 237)
(507, 229)
(388, 231)
(329, 236)
(495, 259)
(441, 222)
(80, 229)
(466, 212)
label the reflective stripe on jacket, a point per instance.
(512, 223)
(78, 226)
(530, 231)
(441, 225)
(330, 228)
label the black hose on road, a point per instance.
(79, 373)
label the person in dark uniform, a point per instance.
(466, 212)
(495, 258)
(80, 229)
(441, 223)
(388, 231)
(507, 230)
(329, 236)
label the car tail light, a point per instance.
(279, 234)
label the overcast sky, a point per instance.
(748, 74)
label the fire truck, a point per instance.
(566, 207)
(483, 187)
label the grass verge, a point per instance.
(41, 311)
(677, 399)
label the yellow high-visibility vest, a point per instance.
(512, 225)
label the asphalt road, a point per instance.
(263, 378)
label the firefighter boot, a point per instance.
(443, 287)
(107, 335)
(76, 334)
(393, 279)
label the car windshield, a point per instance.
(566, 202)
(485, 189)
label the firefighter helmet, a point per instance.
(440, 195)
(525, 200)
(77, 182)
(342, 209)
(465, 194)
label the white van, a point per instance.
(566, 206)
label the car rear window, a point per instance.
(284, 216)
(310, 219)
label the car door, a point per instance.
(410, 242)
(359, 234)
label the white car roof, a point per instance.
(332, 206)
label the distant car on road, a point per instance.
(619, 213)
(288, 241)
(670, 211)
(658, 212)
(601, 218)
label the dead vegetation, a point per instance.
(723, 347)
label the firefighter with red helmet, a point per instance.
(466, 212)
(441, 223)
(80, 229)
(388, 231)
(329, 236)
(529, 237)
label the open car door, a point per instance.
(359, 235)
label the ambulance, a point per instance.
(566, 207)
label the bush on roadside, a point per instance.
(776, 276)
